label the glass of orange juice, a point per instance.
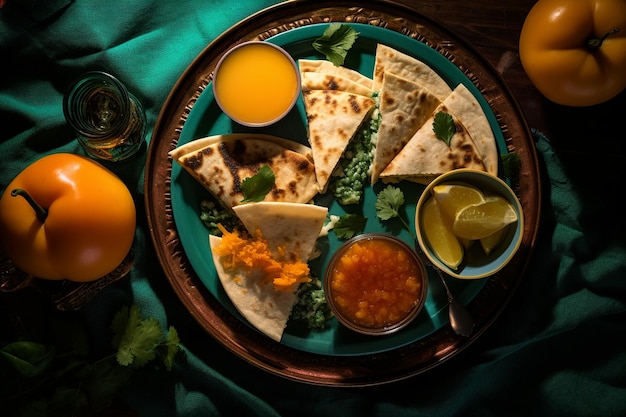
(256, 83)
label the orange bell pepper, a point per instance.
(574, 51)
(67, 217)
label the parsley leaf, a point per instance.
(335, 42)
(444, 127)
(349, 225)
(388, 203)
(255, 188)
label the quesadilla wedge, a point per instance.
(464, 104)
(200, 143)
(391, 60)
(426, 156)
(293, 226)
(327, 67)
(222, 163)
(404, 107)
(290, 231)
(333, 117)
(323, 81)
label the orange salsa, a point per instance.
(375, 283)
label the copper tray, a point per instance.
(278, 359)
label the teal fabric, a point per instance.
(557, 349)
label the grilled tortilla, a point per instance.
(404, 107)
(426, 156)
(333, 119)
(327, 67)
(221, 164)
(293, 228)
(391, 60)
(323, 81)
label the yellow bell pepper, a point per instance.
(67, 217)
(574, 51)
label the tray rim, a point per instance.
(363, 370)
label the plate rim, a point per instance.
(253, 347)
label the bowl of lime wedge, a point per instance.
(469, 223)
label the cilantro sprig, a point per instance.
(444, 127)
(349, 225)
(139, 341)
(335, 42)
(255, 188)
(388, 203)
(57, 371)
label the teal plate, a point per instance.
(206, 119)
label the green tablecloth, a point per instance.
(557, 349)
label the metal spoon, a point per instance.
(460, 319)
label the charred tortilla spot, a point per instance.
(231, 164)
(194, 162)
(316, 139)
(467, 148)
(293, 187)
(354, 104)
(278, 194)
(303, 165)
(389, 100)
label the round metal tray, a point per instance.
(230, 331)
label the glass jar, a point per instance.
(109, 121)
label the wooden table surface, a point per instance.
(493, 28)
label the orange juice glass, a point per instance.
(256, 83)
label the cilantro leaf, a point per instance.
(388, 203)
(444, 127)
(511, 164)
(142, 342)
(255, 188)
(124, 324)
(139, 341)
(348, 225)
(335, 42)
(172, 344)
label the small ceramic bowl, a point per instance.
(256, 83)
(375, 284)
(476, 264)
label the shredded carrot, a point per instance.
(240, 251)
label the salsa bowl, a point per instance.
(375, 284)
